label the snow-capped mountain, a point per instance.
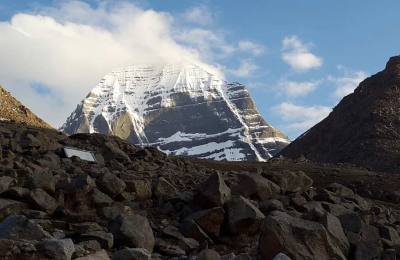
(179, 108)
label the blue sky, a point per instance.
(297, 57)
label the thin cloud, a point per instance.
(346, 84)
(253, 48)
(298, 55)
(298, 89)
(245, 69)
(300, 118)
(199, 15)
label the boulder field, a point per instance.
(138, 203)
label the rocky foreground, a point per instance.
(135, 203)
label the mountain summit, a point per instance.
(363, 129)
(12, 110)
(179, 108)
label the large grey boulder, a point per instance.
(243, 216)
(43, 200)
(254, 185)
(213, 192)
(291, 182)
(133, 231)
(57, 249)
(19, 227)
(298, 238)
(111, 184)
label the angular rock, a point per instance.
(367, 243)
(300, 239)
(43, 200)
(270, 205)
(81, 184)
(42, 180)
(132, 254)
(18, 227)
(100, 199)
(291, 182)
(334, 227)
(5, 183)
(191, 229)
(255, 186)
(8, 207)
(340, 190)
(164, 189)
(111, 184)
(351, 222)
(210, 220)
(106, 240)
(57, 249)
(213, 192)
(243, 216)
(133, 231)
(390, 237)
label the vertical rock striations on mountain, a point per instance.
(179, 108)
(363, 129)
(12, 110)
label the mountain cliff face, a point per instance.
(12, 110)
(179, 108)
(363, 129)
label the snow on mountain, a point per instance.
(179, 108)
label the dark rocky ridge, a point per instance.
(136, 203)
(363, 129)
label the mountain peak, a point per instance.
(181, 109)
(393, 66)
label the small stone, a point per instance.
(99, 255)
(281, 256)
(105, 239)
(208, 254)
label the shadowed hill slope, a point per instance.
(12, 110)
(363, 129)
